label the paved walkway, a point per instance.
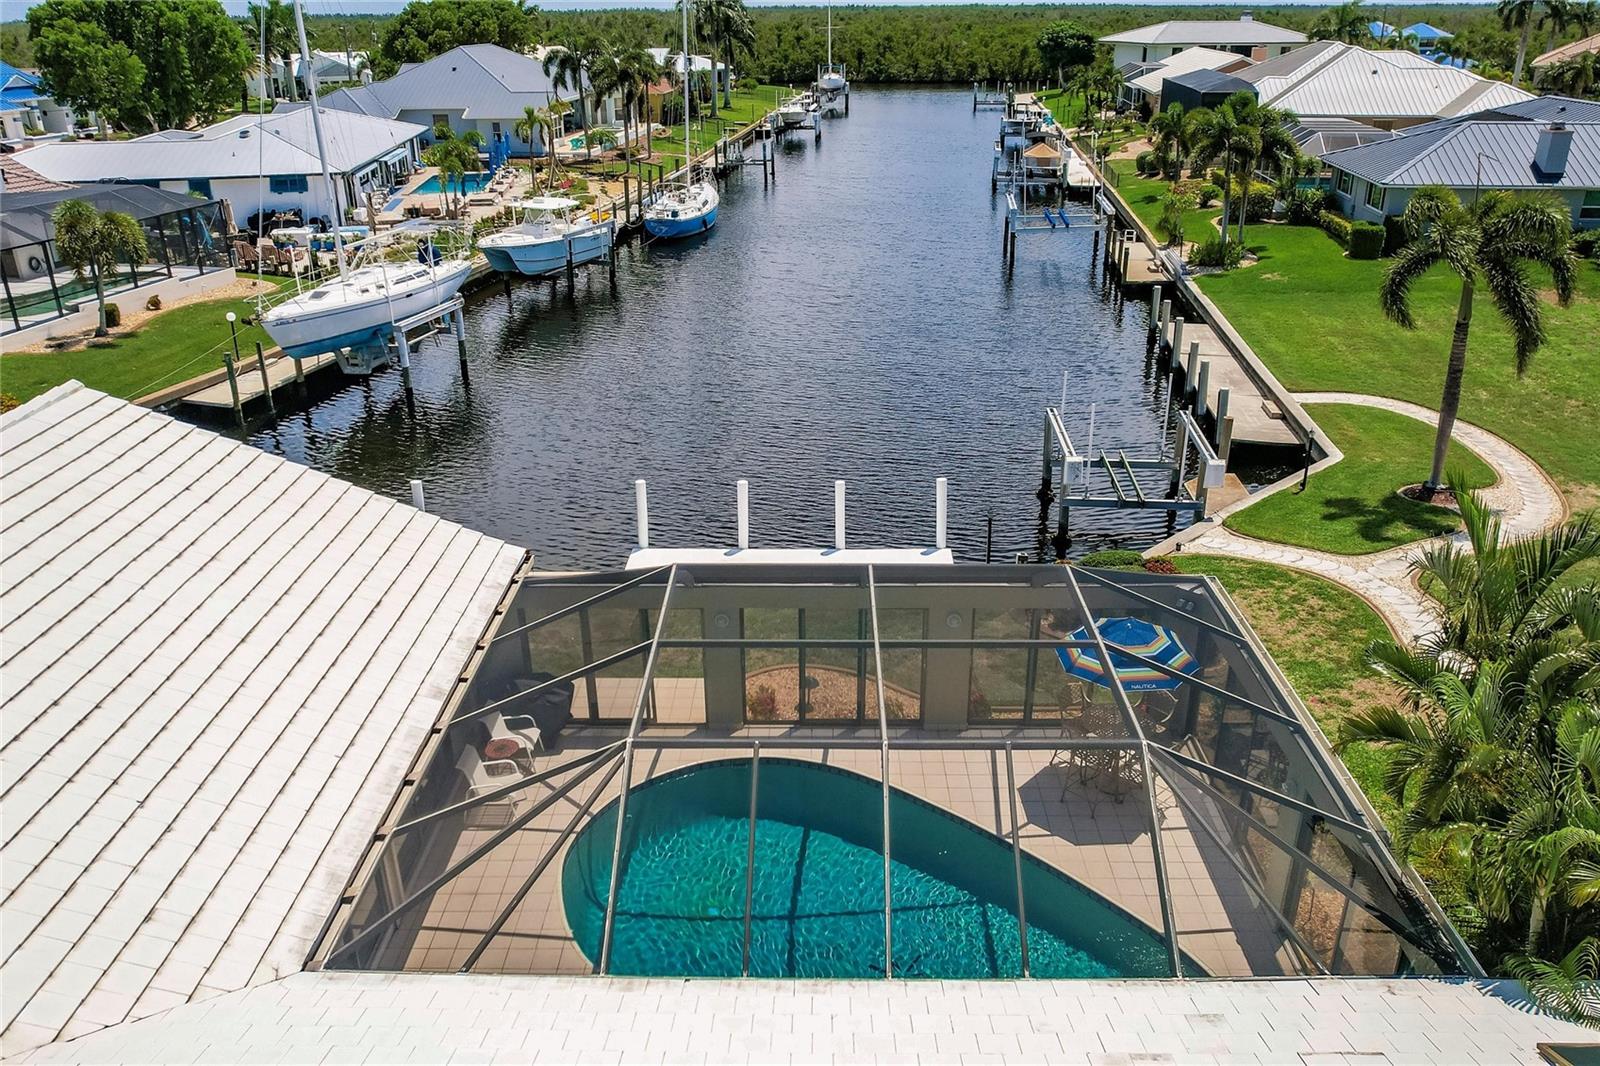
(1525, 498)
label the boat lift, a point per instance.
(1021, 218)
(418, 328)
(985, 97)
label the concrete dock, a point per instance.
(280, 372)
(1256, 418)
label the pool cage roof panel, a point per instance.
(1158, 674)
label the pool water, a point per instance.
(473, 182)
(818, 887)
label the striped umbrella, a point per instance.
(1154, 642)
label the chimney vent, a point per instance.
(1550, 155)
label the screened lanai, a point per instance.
(911, 771)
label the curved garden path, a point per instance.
(1528, 502)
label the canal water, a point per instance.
(852, 321)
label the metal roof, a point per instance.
(1330, 78)
(1198, 58)
(1491, 150)
(218, 664)
(1211, 81)
(1423, 31)
(282, 142)
(479, 80)
(27, 217)
(1208, 31)
(1319, 136)
(18, 88)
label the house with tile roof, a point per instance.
(1550, 144)
(1387, 89)
(1243, 36)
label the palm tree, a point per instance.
(1172, 136)
(633, 71)
(1401, 41)
(282, 42)
(1518, 16)
(1558, 16)
(1220, 133)
(94, 243)
(530, 128)
(1347, 23)
(1493, 238)
(1274, 150)
(566, 65)
(727, 26)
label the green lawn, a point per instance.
(1144, 195)
(748, 105)
(1352, 506)
(167, 349)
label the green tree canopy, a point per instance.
(1065, 46)
(88, 71)
(425, 29)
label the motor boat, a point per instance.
(682, 210)
(795, 110)
(539, 244)
(361, 307)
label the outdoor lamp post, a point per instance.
(231, 362)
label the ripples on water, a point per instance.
(852, 321)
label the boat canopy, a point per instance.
(547, 203)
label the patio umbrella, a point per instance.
(1154, 642)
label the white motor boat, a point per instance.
(795, 110)
(361, 307)
(540, 243)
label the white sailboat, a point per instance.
(539, 244)
(690, 208)
(833, 88)
(360, 308)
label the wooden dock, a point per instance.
(280, 372)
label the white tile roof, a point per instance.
(282, 142)
(344, 1017)
(1327, 78)
(218, 665)
(1186, 60)
(1208, 31)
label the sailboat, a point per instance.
(539, 244)
(833, 88)
(690, 208)
(360, 308)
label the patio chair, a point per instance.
(245, 253)
(267, 255)
(292, 259)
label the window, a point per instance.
(1344, 181)
(1590, 211)
(200, 187)
(289, 183)
(441, 119)
(495, 126)
(1375, 196)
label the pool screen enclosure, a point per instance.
(1122, 735)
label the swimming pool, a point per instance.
(474, 181)
(818, 886)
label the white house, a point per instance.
(23, 92)
(251, 163)
(1244, 36)
(1550, 144)
(479, 87)
(1389, 89)
(328, 66)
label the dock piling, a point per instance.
(461, 339)
(742, 493)
(838, 515)
(941, 510)
(1190, 368)
(641, 511)
(1155, 312)
(418, 500)
(1222, 413)
(231, 362)
(266, 383)
(1200, 389)
(1177, 342)
(405, 366)
(1166, 317)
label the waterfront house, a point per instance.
(1571, 50)
(1389, 89)
(368, 156)
(1195, 89)
(480, 87)
(1142, 87)
(1427, 36)
(672, 63)
(23, 91)
(1380, 31)
(1244, 36)
(300, 772)
(331, 68)
(1550, 144)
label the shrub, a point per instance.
(1336, 225)
(762, 704)
(1214, 253)
(1304, 207)
(154, 303)
(1114, 557)
(1160, 566)
(1259, 204)
(1145, 163)
(113, 316)
(1586, 244)
(8, 402)
(1394, 234)
(1209, 194)
(1366, 240)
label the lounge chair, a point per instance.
(245, 253)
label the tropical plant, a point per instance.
(1223, 133)
(424, 29)
(1348, 23)
(1065, 46)
(1577, 76)
(725, 26)
(1557, 16)
(1570, 986)
(567, 66)
(1493, 238)
(1172, 134)
(1173, 206)
(282, 43)
(1518, 16)
(94, 243)
(531, 127)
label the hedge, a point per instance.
(1366, 240)
(1114, 557)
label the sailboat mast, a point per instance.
(830, 34)
(686, 153)
(322, 147)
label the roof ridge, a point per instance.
(38, 404)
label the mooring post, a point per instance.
(1048, 471)
(1190, 368)
(627, 213)
(1166, 316)
(1224, 439)
(460, 317)
(299, 377)
(1176, 345)
(1200, 389)
(1122, 266)
(641, 512)
(941, 510)
(1155, 311)
(266, 382)
(1013, 253)
(742, 495)
(838, 515)
(1179, 461)
(418, 501)
(611, 256)
(405, 364)
(233, 387)
(571, 287)
(1222, 414)
(1005, 235)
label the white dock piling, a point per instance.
(641, 508)
(838, 515)
(941, 510)
(418, 501)
(742, 490)
(1200, 389)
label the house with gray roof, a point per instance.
(1549, 144)
(1244, 36)
(1387, 89)
(480, 87)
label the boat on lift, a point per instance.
(538, 245)
(359, 309)
(690, 208)
(795, 110)
(833, 88)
